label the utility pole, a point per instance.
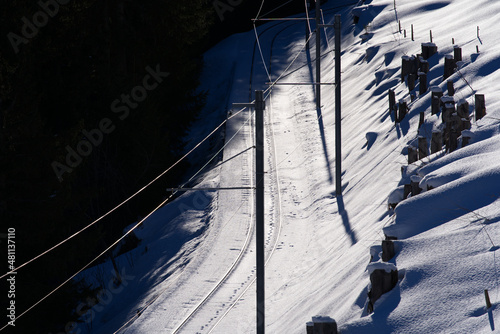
(259, 204)
(307, 25)
(338, 104)
(318, 54)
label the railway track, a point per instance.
(272, 241)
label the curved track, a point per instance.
(272, 242)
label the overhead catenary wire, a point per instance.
(149, 303)
(133, 228)
(260, 9)
(123, 202)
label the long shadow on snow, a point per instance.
(320, 123)
(345, 219)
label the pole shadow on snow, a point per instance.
(345, 219)
(320, 122)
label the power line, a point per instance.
(122, 203)
(132, 229)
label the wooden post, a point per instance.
(422, 78)
(422, 147)
(406, 191)
(421, 120)
(382, 282)
(415, 187)
(412, 155)
(486, 295)
(437, 93)
(436, 141)
(477, 48)
(324, 325)
(449, 66)
(388, 251)
(430, 34)
(480, 106)
(310, 327)
(403, 108)
(435, 105)
(463, 109)
(465, 124)
(392, 100)
(428, 50)
(453, 141)
(465, 138)
(451, 88)
(457, 53)
(405, 67)
(424, 66)
(411, 82)
(449, 109)
(399, 22)
(412, 36)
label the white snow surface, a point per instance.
(321, 247)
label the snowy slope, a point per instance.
(319, 245)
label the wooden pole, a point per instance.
(449, 66)
(411, 82)
(486, 295)
(480, 106)
(338, 106)
(392, 100)
(436, 141)
(421, 120)
(403, 108)
(307, 26)
(259, 212)
(457, 53)
(412, 155)
(422, 147)
(422, 78)
(412, 36)
(451, 88)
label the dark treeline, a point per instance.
(95, 98)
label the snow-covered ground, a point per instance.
(319, 246)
